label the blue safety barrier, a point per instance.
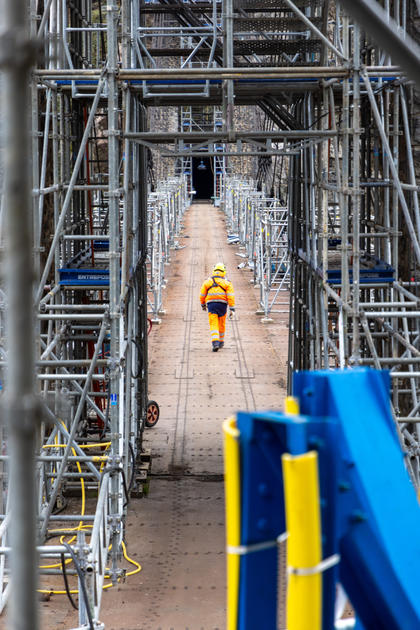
(369, 509)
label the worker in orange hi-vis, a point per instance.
(215, 296)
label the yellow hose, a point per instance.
(105, 586)
(233, 518)
(304, 549)
(102, 459)
(80, 526)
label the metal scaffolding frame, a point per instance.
(165, 209)
(335, 110)
(260, 226)
(90, 256)
(354, 229)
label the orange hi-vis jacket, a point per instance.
(217, 289)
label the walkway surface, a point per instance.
(177, 532)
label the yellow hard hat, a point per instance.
(219, 267)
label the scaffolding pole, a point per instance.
(21, 406)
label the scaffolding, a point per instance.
(260, 226)
(165, 209)
(336, 159)
(90, 250)
(354, 228)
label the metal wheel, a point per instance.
(153, 413)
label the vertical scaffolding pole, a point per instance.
(21, 406)
(343, 193)
(114, 279)
(141, 344)
(356, 194)
(228, 61)
(324, 170)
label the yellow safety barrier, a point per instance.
(304, 549)
(233, 518)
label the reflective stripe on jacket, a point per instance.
(217, 289)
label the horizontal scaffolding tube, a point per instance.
(389, 305)
(386, 314)
(61, 518)
(43, 550)
(405, 374)
(390, 360)
(58, 458)
(72, 475)
(75, 316)
(67, 362)
(70, 377)
(219, 73)
(202, 154)
(191, 136)
(86, 237)
(73, 458)
(76, 307)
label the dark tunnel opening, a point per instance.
(203, 178)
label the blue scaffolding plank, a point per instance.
(101, 245)
(90, 277)
(378, 272)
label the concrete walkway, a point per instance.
(177, 532)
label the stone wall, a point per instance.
(166, 119)
(161, 119)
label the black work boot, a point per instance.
(215, 345)
(221, 344)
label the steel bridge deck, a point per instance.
(177, 532)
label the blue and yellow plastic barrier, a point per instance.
(304, 549)
(233, 517)
(333, 476)
(301, 491)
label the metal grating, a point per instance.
(277, 25)
(273, 5)
(276, 47)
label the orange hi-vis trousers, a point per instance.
(217, 326)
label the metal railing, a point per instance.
(260, 225)
(165, 209)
